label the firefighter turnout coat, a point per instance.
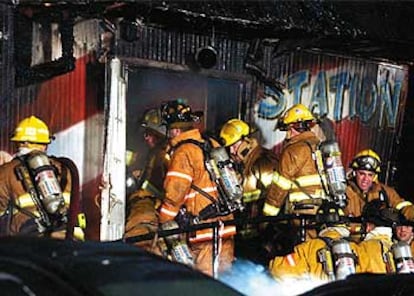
(142, 215)
(306, 259)
(18, 208)
(297, 185)
(374, 251)
(357, 199)
(257, 172)
(187, 167)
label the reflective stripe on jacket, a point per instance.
(258, 167)
(357, 199)
(13, 192)
(207, 234)
(187, 167)
(304, 261)
(297, 177)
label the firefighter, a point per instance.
(363, 186)
(297, 186)
(188, 186)
(39, 194)
(405, 233)
(256, 165)
(325, 258)
(147, 187)
(374, 252)
(403, 248)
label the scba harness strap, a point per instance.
(218, 207)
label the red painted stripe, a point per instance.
(63, 101)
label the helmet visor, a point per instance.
(368, 163)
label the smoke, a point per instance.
(252, 279)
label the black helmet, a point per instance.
(330, 214)
(176, 114)
(378, 213)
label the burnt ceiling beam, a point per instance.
(246, 19)
(363, 28)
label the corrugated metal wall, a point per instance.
(72, 106)
(6, 69)
(353, 131)
(63, 100)
(364, 99)
(179, 48)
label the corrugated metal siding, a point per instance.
(356, 128)
(60, 101)
(6, 69)
(72, 106)
(353, 131)
(179, 48)
(173, 47)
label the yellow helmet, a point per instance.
(298, 113)
(367, 160)
(31, 129)
(152, 120)
(234, 130)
